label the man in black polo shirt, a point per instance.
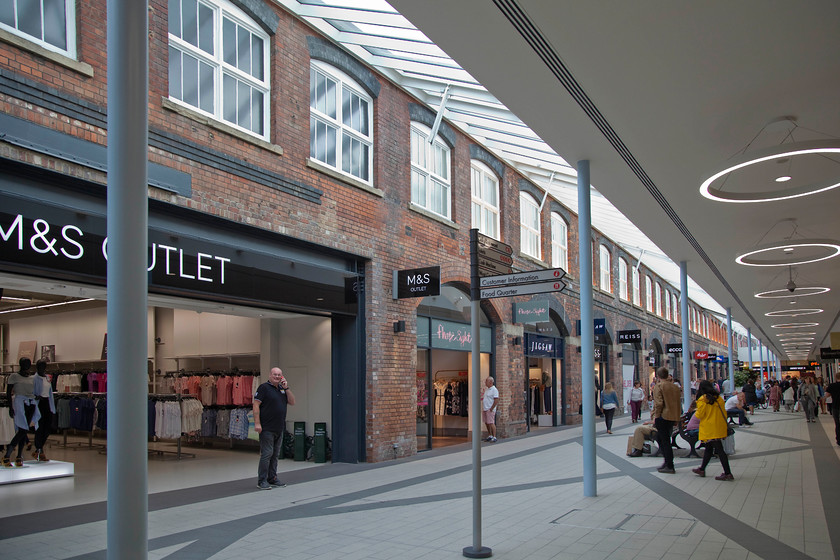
(270, 403)
(834, 390)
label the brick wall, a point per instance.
(380, 228)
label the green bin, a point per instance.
(320, 442)
(300, 441)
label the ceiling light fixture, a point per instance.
(793, 325)
(792, 150)
(793, 312)
(10, 298)
(783, 179)
(46, 306)
(796, 291)
(818, 250)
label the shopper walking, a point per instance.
(667, 409)
(270, 402)
(637, 397)
(713, 429)
(808, 398)
(609, 404)
(750, 394)
(787, 397)
(775, 396)
(833, 390)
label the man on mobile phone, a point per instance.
(270, 402)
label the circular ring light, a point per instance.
(795, 334)
(794, 325)
(793, 312)
(819, 250)
(796, 339)
(774, 153)
(797, 292)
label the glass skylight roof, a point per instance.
(378, 35)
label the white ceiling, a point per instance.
(659, 95)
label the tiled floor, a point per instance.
(785, 498)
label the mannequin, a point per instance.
(46, 406)
(24, 409)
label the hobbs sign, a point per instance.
(417, 282)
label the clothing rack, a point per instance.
(79, 444)
(179, 454)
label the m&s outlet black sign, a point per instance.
(417, 282)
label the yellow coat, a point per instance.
(712, 419)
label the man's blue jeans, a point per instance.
(271, 445)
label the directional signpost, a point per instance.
(494, 257)
(492, 276)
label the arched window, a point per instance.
(340, 122)
(675, 305)
(637, 287)
(606, 269)
(667, 299)
(219, 63)
(623, 292)
(559, 242)
(648, 294)
(430, 176)
(658, 298)
(49, 23)
(529, 225)
(485, 200)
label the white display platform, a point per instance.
(544, 420)
(35, 470)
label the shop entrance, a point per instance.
(204, 363)
(444, 367)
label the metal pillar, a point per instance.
(760, 361)
(587, 330)
(731, 348)
(128, 80)
(686, 380)
(476, 550)
(749, 350)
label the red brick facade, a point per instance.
(382, 228)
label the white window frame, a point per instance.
(637, 287)
(676, 302)
(657, 296)
(667, 298)
(221, 11)
(69, 28)
(485, 215)
(559, 242)
(623, 292)
(648, 294)
(530, 231)
(428, 163)
(605, 268)
(344, 84)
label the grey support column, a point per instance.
(587, 330)
(760, 361)
(749, 350)
(128, 88)
(686, 363)
(731, 348)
